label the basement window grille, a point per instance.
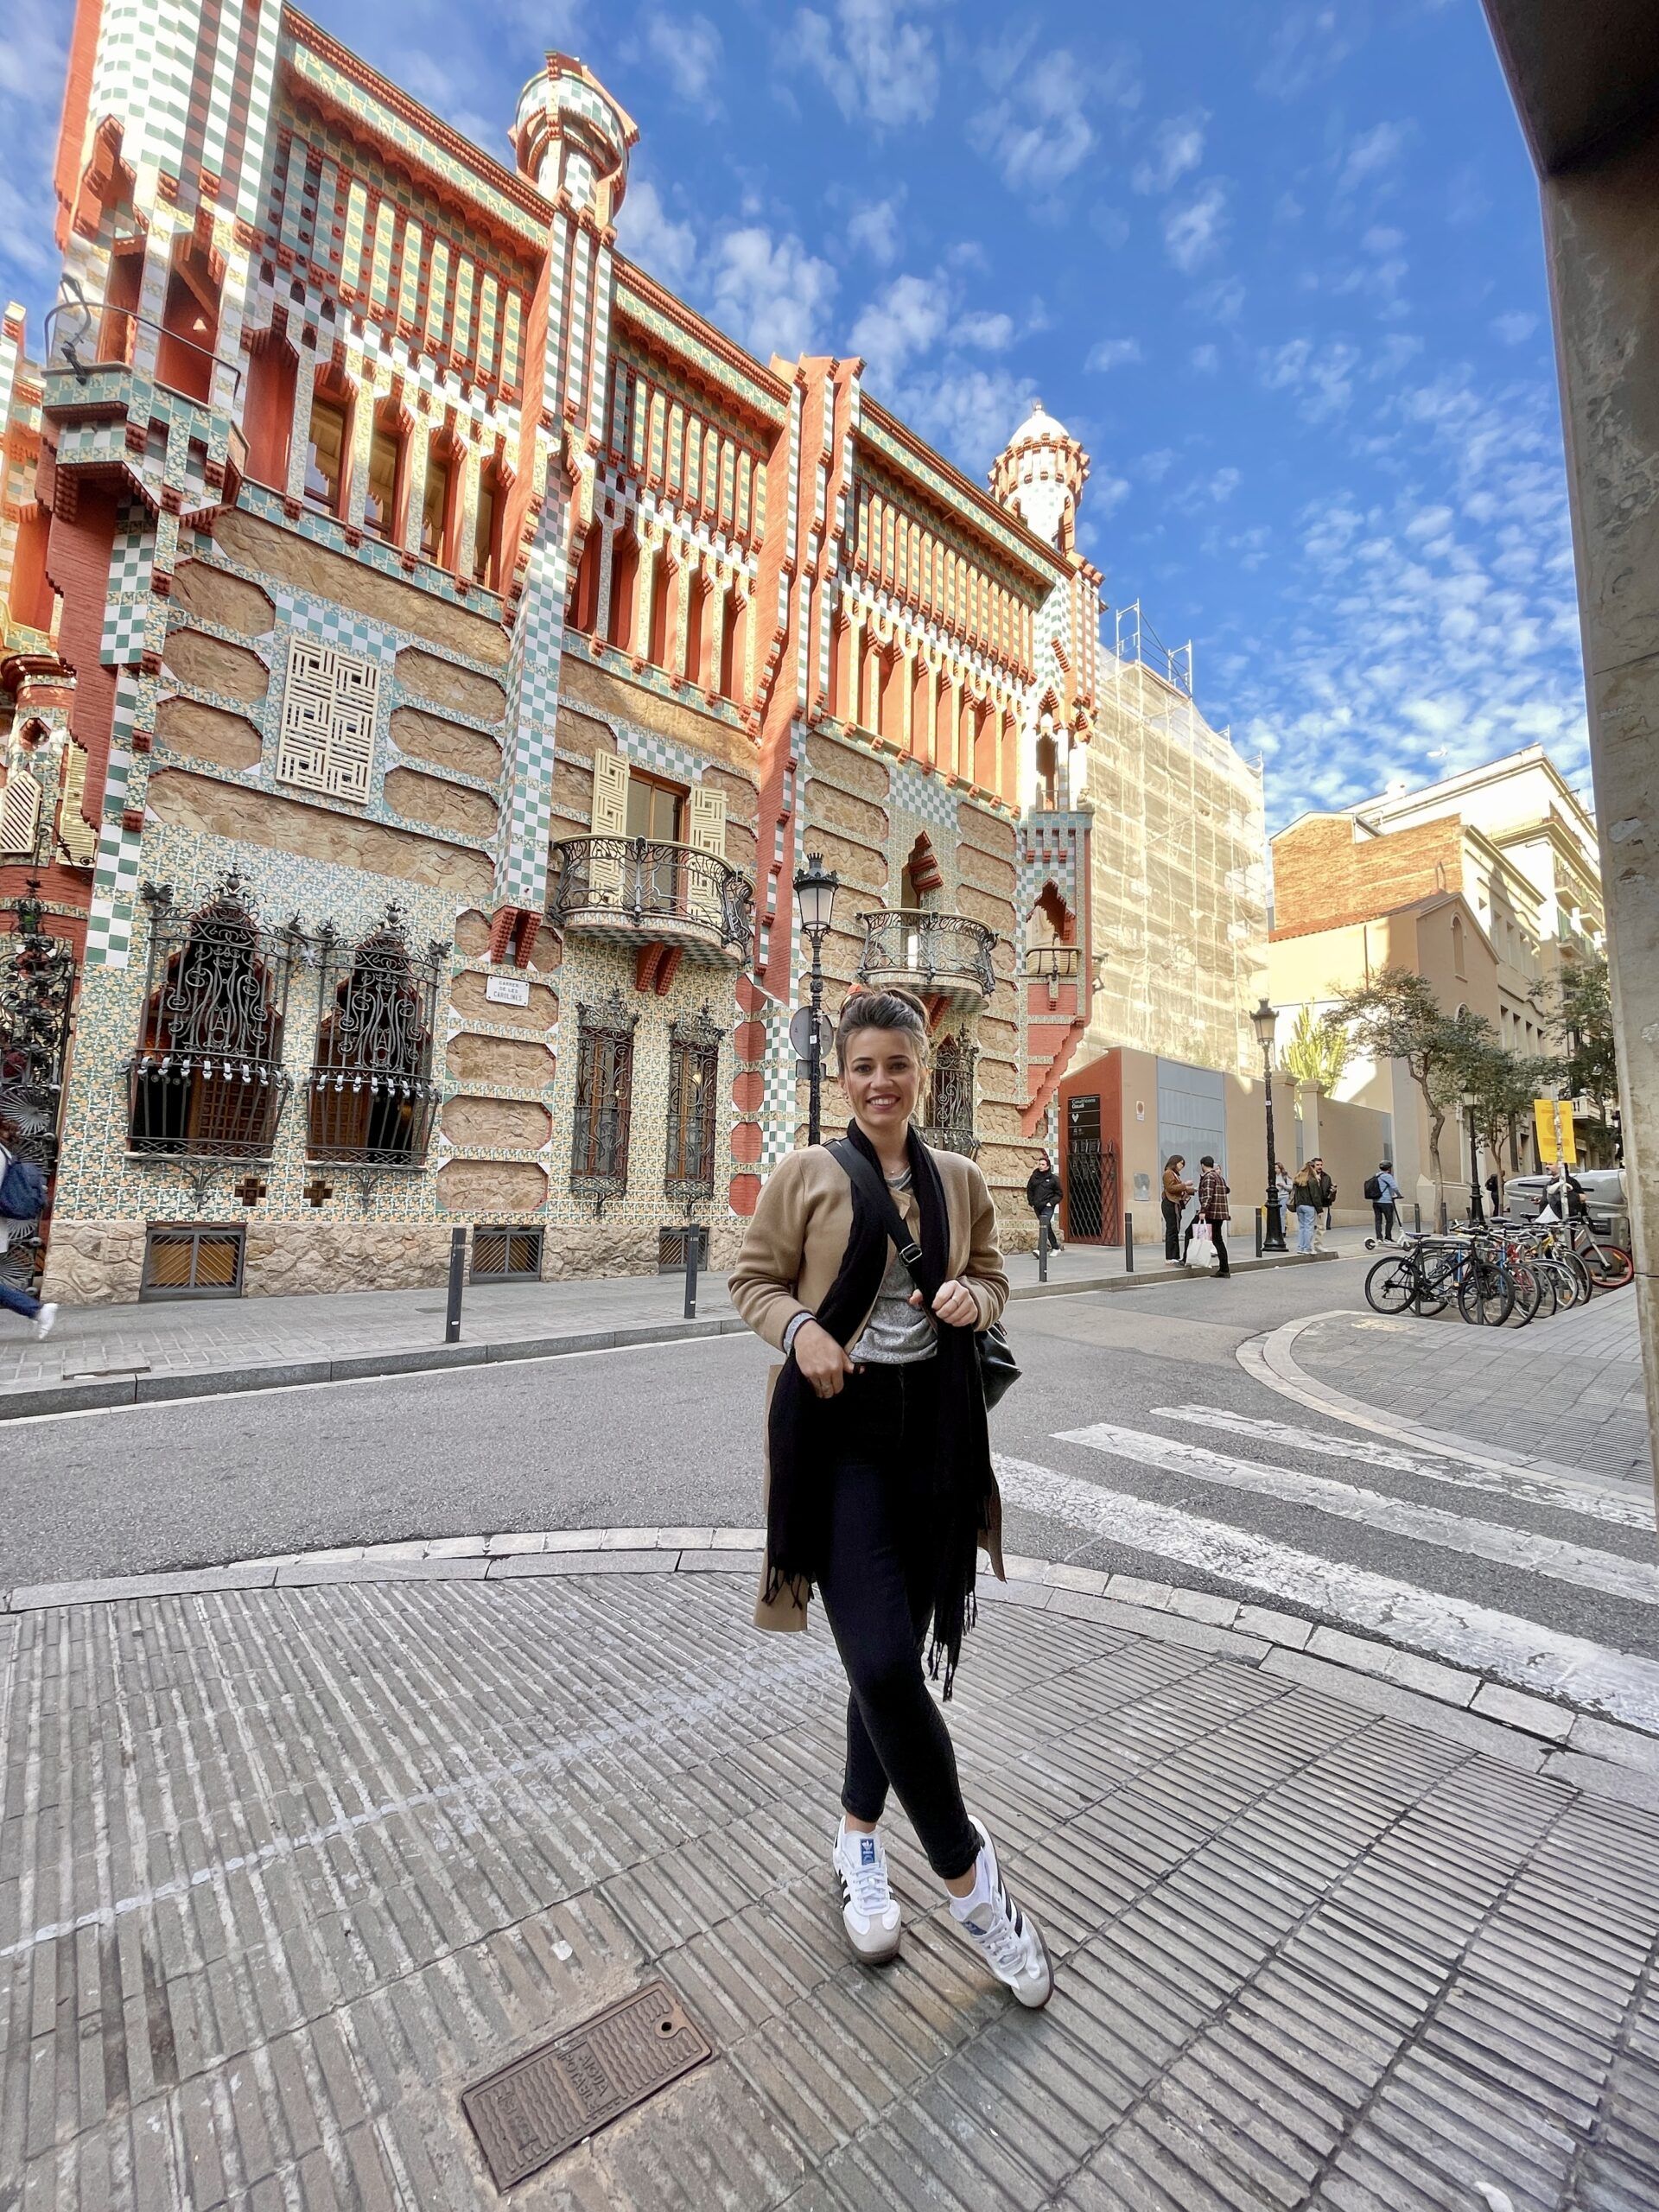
(193, 1259)
(505, 1255)
(671, 1250)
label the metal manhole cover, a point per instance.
(551, 2099)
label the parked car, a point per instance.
(1604, 1193)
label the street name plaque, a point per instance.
(556, 2096)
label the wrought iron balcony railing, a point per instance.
(643, 890)
(939, 954)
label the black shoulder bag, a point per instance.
(999, 1370)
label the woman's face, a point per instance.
(882, 1079)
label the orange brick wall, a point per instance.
(1322, 878)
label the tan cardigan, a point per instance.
(792, 1252)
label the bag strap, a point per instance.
(860, 1172)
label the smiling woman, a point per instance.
(879, 1487)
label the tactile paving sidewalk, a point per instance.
(283, 1871)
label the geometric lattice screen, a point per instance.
(327, 740)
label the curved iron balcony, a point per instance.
(941, 956)
(643, 890)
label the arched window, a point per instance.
(731, 645)
(268, 410)
(207, 1079)
(949, 1120)
(383, 497)
(329, 443)
(373, 1096)
(487, 530)
(438, 503)
(189, 322)
(582, 613)
(625, 576)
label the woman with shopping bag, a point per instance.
(1212, 1214)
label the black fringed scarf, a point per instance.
(962, 1485)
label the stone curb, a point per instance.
(29, 1402)
(1540, 1735)
(1270, 1360)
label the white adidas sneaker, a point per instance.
(1002, 1932)
(868, 1909)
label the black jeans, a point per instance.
(1172, 1230)
(877, 1589)
(1382, 1214)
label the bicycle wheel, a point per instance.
(1389, 1285)
(1610, 1266)
(1583, 1281)
(1437, 1283)
(1485, 1296)
(1529, 1288)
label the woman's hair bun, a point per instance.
(896, 1009)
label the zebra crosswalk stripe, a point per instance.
(1494, 1540)
(1524, 1654)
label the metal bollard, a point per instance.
(1042, 1248)
(693, 1240)
(1417, 1218)
(457, 1280)
(1128, 1244)
(1261, 1230)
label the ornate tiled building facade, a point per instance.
(430, 651)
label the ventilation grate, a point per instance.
(501, 1254)
(671, 1250)
(193, 1258)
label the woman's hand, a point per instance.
(820, 1359)
(953, 1303)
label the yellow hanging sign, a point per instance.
(1544, 1111)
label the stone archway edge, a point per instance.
(1270, 1359)
(1538, 1735)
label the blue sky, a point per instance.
(1275, 262)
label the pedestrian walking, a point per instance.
(880, 1485)
(1176, 1192)
(23, 1198)
(1213, 1211)
(1043, 1195)
(1383, 1192)
(1304, 1193)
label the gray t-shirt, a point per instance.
(897, 1334)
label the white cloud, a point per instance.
(770, 292)
(1193, 232)
(879, 62)
(1206, 359)
(1177, 147)
(1369, 154)
(1222, 299)
(874, 226)
(688, 49)
(1114, 353)
(908, 318)
(1037, 130)
(989, 333)
(1310, 42)
(1155, 466)
(1223, 484)
(648, 234)
(1320, 375)
(970, 413)
(1514, 330)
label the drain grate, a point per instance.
(553, 2097)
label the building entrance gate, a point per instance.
(37, 979)
(1091, 1177)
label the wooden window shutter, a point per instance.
(20, 813)
(610, 820)
(706, 833)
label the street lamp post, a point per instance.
(1265, 1021)
(815, 887)
(1477, 1212)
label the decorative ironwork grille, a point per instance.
(930, 950)
(372, 1098)
(327, 739)
(598, 1149)
(693, 1097)
(636, 882)
(207, 1080)
(37, 983)
(950, 1123)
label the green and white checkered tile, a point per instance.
(127, 601)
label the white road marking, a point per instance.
(1629, 1578)
(1622, 1684)
(1622, 1504)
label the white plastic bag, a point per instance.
(1201, 1250)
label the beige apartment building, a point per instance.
(1483, 883)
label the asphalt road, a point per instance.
(1180, 1481)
